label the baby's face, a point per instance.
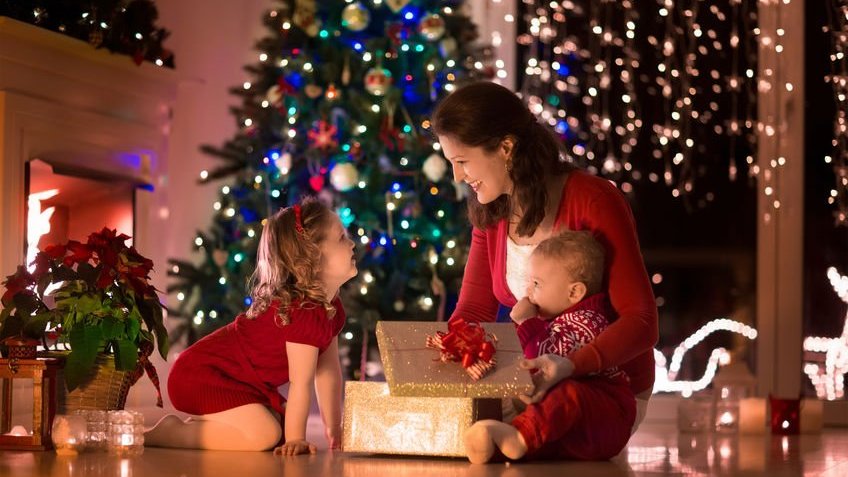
(549, 285)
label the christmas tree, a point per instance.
(337, 108)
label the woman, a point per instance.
(523, 193)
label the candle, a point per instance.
(811, 415)
(18, 431)
(752, 416)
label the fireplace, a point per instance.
(69, 203)
(83, 139)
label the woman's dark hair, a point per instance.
(483, 114)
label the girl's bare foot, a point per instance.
(483, 437)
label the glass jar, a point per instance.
(68, 434)
(126, 433)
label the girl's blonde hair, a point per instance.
(288, 261)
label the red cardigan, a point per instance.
(588, 203)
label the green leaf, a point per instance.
(43, 283)
(35, 326)
(12, 326)
(88, 304)
(126, 355)
(151, 310)
(112, 328)
(64, 274)
(132, 329)
(5, 313)
(146, 335)
(87, 273)
(86, 342)
(25, 304)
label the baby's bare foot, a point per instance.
(483, 437)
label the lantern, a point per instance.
(731, 384)
(20, 377)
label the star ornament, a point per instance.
(322, 136)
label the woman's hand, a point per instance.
(552, 368)
(523, 311)
(296, 447)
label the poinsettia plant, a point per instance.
(103, 301)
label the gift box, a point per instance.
(413, 369)
(379, 423)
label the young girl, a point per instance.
(229, 379)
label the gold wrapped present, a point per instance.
(379, 423)
(412, 369)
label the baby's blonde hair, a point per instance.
(288, 262)
(580, 253)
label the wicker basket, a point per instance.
(107, 390)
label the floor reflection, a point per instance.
(655, 450)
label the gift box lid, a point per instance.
(412, 369)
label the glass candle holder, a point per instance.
(727, 416)
(68, 434)
(97, 423)
(126, 433)
(694, 414)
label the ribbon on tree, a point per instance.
(467, 343)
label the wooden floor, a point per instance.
(654, 450)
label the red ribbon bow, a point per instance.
(468, 343)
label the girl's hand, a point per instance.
(296, 447)
(334, 438)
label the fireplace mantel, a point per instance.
(67, 103)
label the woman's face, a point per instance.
(485, 172)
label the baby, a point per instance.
(564, 310)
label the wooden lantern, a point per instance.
(42, 375)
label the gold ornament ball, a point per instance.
(313, 91)
(355, 17)
(432, 27)
(378, 81)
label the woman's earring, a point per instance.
(508, 164)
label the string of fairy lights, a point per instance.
(674, 79)
(838, 78)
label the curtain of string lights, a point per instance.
(838, 27)
(661, 91)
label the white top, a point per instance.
(517, 263)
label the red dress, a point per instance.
(245, 362)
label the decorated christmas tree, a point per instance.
(337, 107)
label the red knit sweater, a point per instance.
(587, 203)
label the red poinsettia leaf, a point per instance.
(55, 251)
(79, 252)
(42, 264)
(105, 279)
